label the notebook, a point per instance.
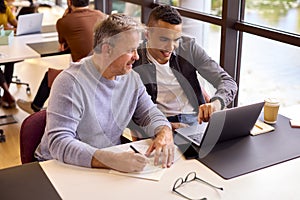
(223, 125)
(29, 23)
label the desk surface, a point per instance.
(18, 50)
(277, 182)
(72, 182)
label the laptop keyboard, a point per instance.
(196, 137)
(193, 133)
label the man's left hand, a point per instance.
(163, 144)
(206, 110)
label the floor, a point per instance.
(32, 72)
(9, 150)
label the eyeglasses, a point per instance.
(189, 178)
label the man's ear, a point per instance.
(146, 34)
(106, 48)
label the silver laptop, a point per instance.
(223, 125)
(29, 23)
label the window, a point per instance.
(269, 69)
(280, 14)
(130, 9)
(213, 7)
(208, 36)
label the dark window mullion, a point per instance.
(229, 36)
(289, 38)
(204, 17)
(229, 58)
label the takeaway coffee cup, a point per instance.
(271, 108)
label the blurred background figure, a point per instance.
(7, 22)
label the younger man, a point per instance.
(169, 65)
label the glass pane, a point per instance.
(130, 9)
(208, 36)
(282, 15)
(211, 7)
(270, 69)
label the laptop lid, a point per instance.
(29, 23)
(224, 125)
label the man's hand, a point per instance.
(163, 145)
(63, 46)
(206, 110)
(176, 125)
(123, 161)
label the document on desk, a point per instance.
(150, 172)
(261, 127)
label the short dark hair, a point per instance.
(165, 13)
(80, 3)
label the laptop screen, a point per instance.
(29, 23)
(224, 125)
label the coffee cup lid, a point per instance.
(272, 100)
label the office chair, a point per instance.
(33, 8)
(31, 133)
(17, 81)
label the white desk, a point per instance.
(277, 182)
(18, 50)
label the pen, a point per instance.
(134, 149)
(259, 127)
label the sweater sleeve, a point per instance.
(210, 70)
(10, 15)
(62, 122)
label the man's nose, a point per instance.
(136, 55)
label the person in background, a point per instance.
(10, 4)
(7, 22)
(7, 18)
(84, 115)
(169, 65)
(75, 32)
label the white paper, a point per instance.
(150, 172)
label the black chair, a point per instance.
(2, 136)
(33, 8)
(17, 81)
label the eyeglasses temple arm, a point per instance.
(219, 188)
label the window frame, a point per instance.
(232, 29)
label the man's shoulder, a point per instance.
(187, 44)
(96, 11)
(187, 40)
(68, 20)
(80, 13)
(88, 12)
